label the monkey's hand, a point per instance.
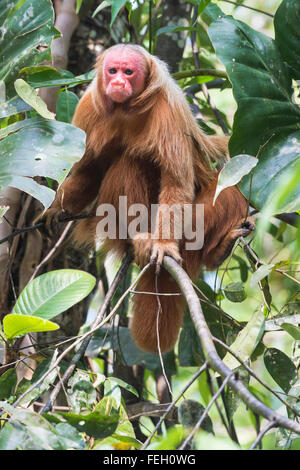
(160, 248)
(51, 222)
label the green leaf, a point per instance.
(262, 272)
(247, 340)
(121, 383)
(100, 423)
(189, 413)
(44, 77)
(13, 106)
(30, 431)
(24, 26)
(235, 292)
(243, 267)
(15, 325)
(101, 7)
(102, 340)
(292, 330)
(287, 34)
(65, 106)
(37, 147)
(281, 368)
(8, 382)
(174, 29)
(211, 13)
(30, 96)
(81, 393)
(42, 387)
(233, 172)
(267, 120)
(116, 6)
(52, 293)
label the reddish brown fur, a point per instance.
(150, 149)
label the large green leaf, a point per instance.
(281, 368)
(287, 34)
(266, 114)
(39, 148)
(35, 147)
(24, 26)
(15, 325)
(247, 340)
(54, 292)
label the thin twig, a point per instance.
(53, 250)
(159, 311)
(249, 8)
(172, 405)
(40, 225)
(199, 72)
(205, 412)
(269, 426)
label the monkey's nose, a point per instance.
(118, 83)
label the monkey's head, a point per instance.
(124, 73)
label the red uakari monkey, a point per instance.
(144, 143)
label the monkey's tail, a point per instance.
(150, 311)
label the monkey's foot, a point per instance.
(243, 229)
(160, 249)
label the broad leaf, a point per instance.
(15, 325)
(25, 25)
(65, 106)
(233, 172)
(281, 368)
(287, 33)
(266, 116)
(100, 423)
(39, 148)
(260, 274)
(116, 6)
(54, 292)
(246, 340)
(8, 382)
(292, 330)
(30, 96)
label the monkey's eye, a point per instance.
(112, 71)
(128, 72)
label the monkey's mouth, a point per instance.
(119, 95)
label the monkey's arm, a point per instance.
(169, 225)
(82, 185)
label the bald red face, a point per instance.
(124, 74)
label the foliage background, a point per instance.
(108, 392)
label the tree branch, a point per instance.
(211, 354)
